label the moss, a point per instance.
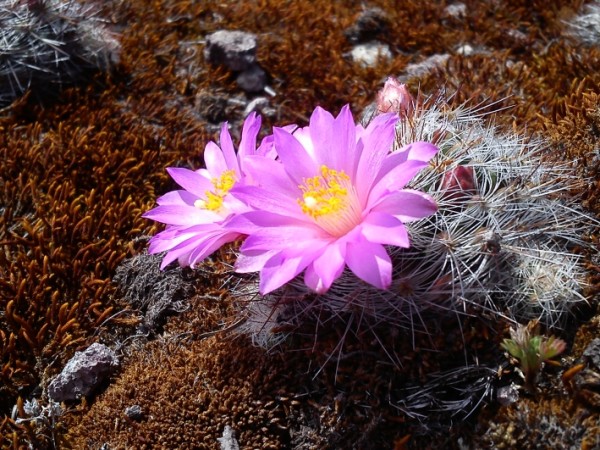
(337, 391)
(79, 170)
(575, 129)
(198, 390)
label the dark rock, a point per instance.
(134, 412)
(234, 49)
(507, 395)
(592, 353)
(215, 107)
(253, 79)
(84, 372)
(370, 23)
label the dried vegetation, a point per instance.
(79, 169)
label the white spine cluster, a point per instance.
(45, 44)
(585, 27)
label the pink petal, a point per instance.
(191, 245)
(209, 246)
(255, 221)
(394, 180)
(370, 262)
(269, 174)
(226, 143)
(279, 270)
(343, 154)
(269, 200)
(325, 269)
(249, 133)
(172, 256)
(179, 252)
(166, 240)
(320, 131)
(190, 180)
(284, 266)
(294, 157)
(407, 205)
(302, 135)
(234, 206)
(267, 145)
(247, 263)
(279, 238)
(174, 236)
(416, 151)
(382, 228)
(214, 160)
(377, 139)
(181, 215)
(419, 151)
(177, 198)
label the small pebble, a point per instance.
(370, 53)
(234, 49)
(134, 412)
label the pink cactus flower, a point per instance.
(334, 198)
(459, 183)
(197, 214)
(395, 97)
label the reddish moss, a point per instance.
(78, 172)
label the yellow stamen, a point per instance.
(330, 199)
(214, 199)
(225, 182)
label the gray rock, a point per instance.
(456, 10)
(84, 372)
(370, 53)
(157, 293)
(234, 49)
(134, 412)
(592, 353)
(262, 106)
(507, 395)
(421, 69)
(252, 80)
(465, 50)
(228, 441)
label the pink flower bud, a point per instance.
(395, 97)
(459, 182)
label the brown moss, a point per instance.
(78, 172)
(575, 130)
(335, 391)
(189, 392)
(75, 181)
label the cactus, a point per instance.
(501, 243)
(46, 44)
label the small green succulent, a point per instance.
(532, 349)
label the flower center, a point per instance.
(214, 199)
(331, 201)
